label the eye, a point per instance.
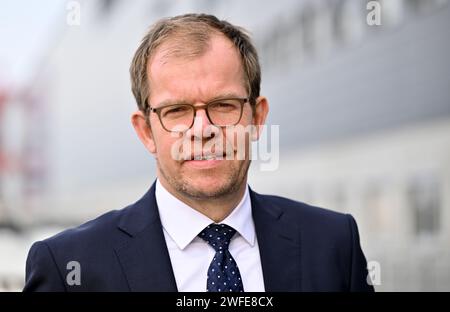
(225, 105)
(174, 111)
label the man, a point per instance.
(200, 227)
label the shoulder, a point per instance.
(329, 243)
(312, 221)
(111, 228)
(89, 246)
(303, 212)
(94, 234)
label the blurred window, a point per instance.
(106, 7)
(424, 199)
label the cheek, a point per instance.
(175, 148)
(237, 142)
(247, 116)
(164, 143)
(165, 151)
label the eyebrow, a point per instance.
(184, 101)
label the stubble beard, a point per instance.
(232, 184)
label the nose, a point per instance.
(200, 128)
(201, 117)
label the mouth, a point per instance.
(207, 157)
(206, 161)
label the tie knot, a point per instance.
(218, 236)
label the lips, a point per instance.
(207, 157)
(206, 161)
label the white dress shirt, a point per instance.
(191, 256)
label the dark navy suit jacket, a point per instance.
(302, 248)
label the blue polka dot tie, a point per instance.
(223, 273)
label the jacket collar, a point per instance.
(146, 263)
(279, 245)
(144, 256)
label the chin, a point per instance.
(209, 186)
(208, 182)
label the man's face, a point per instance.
(215, 74)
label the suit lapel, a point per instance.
(279, 246)
(144, 256)
(146, 263)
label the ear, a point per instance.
(259, 116)
(144, 131)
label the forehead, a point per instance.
(218, 69)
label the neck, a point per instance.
(217, 209)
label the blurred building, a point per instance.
(364, 115)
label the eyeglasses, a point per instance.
(220, 112)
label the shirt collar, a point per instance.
(183, 223)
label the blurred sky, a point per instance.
(26, 30)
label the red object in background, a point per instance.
(3, 163)
(3, 99)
